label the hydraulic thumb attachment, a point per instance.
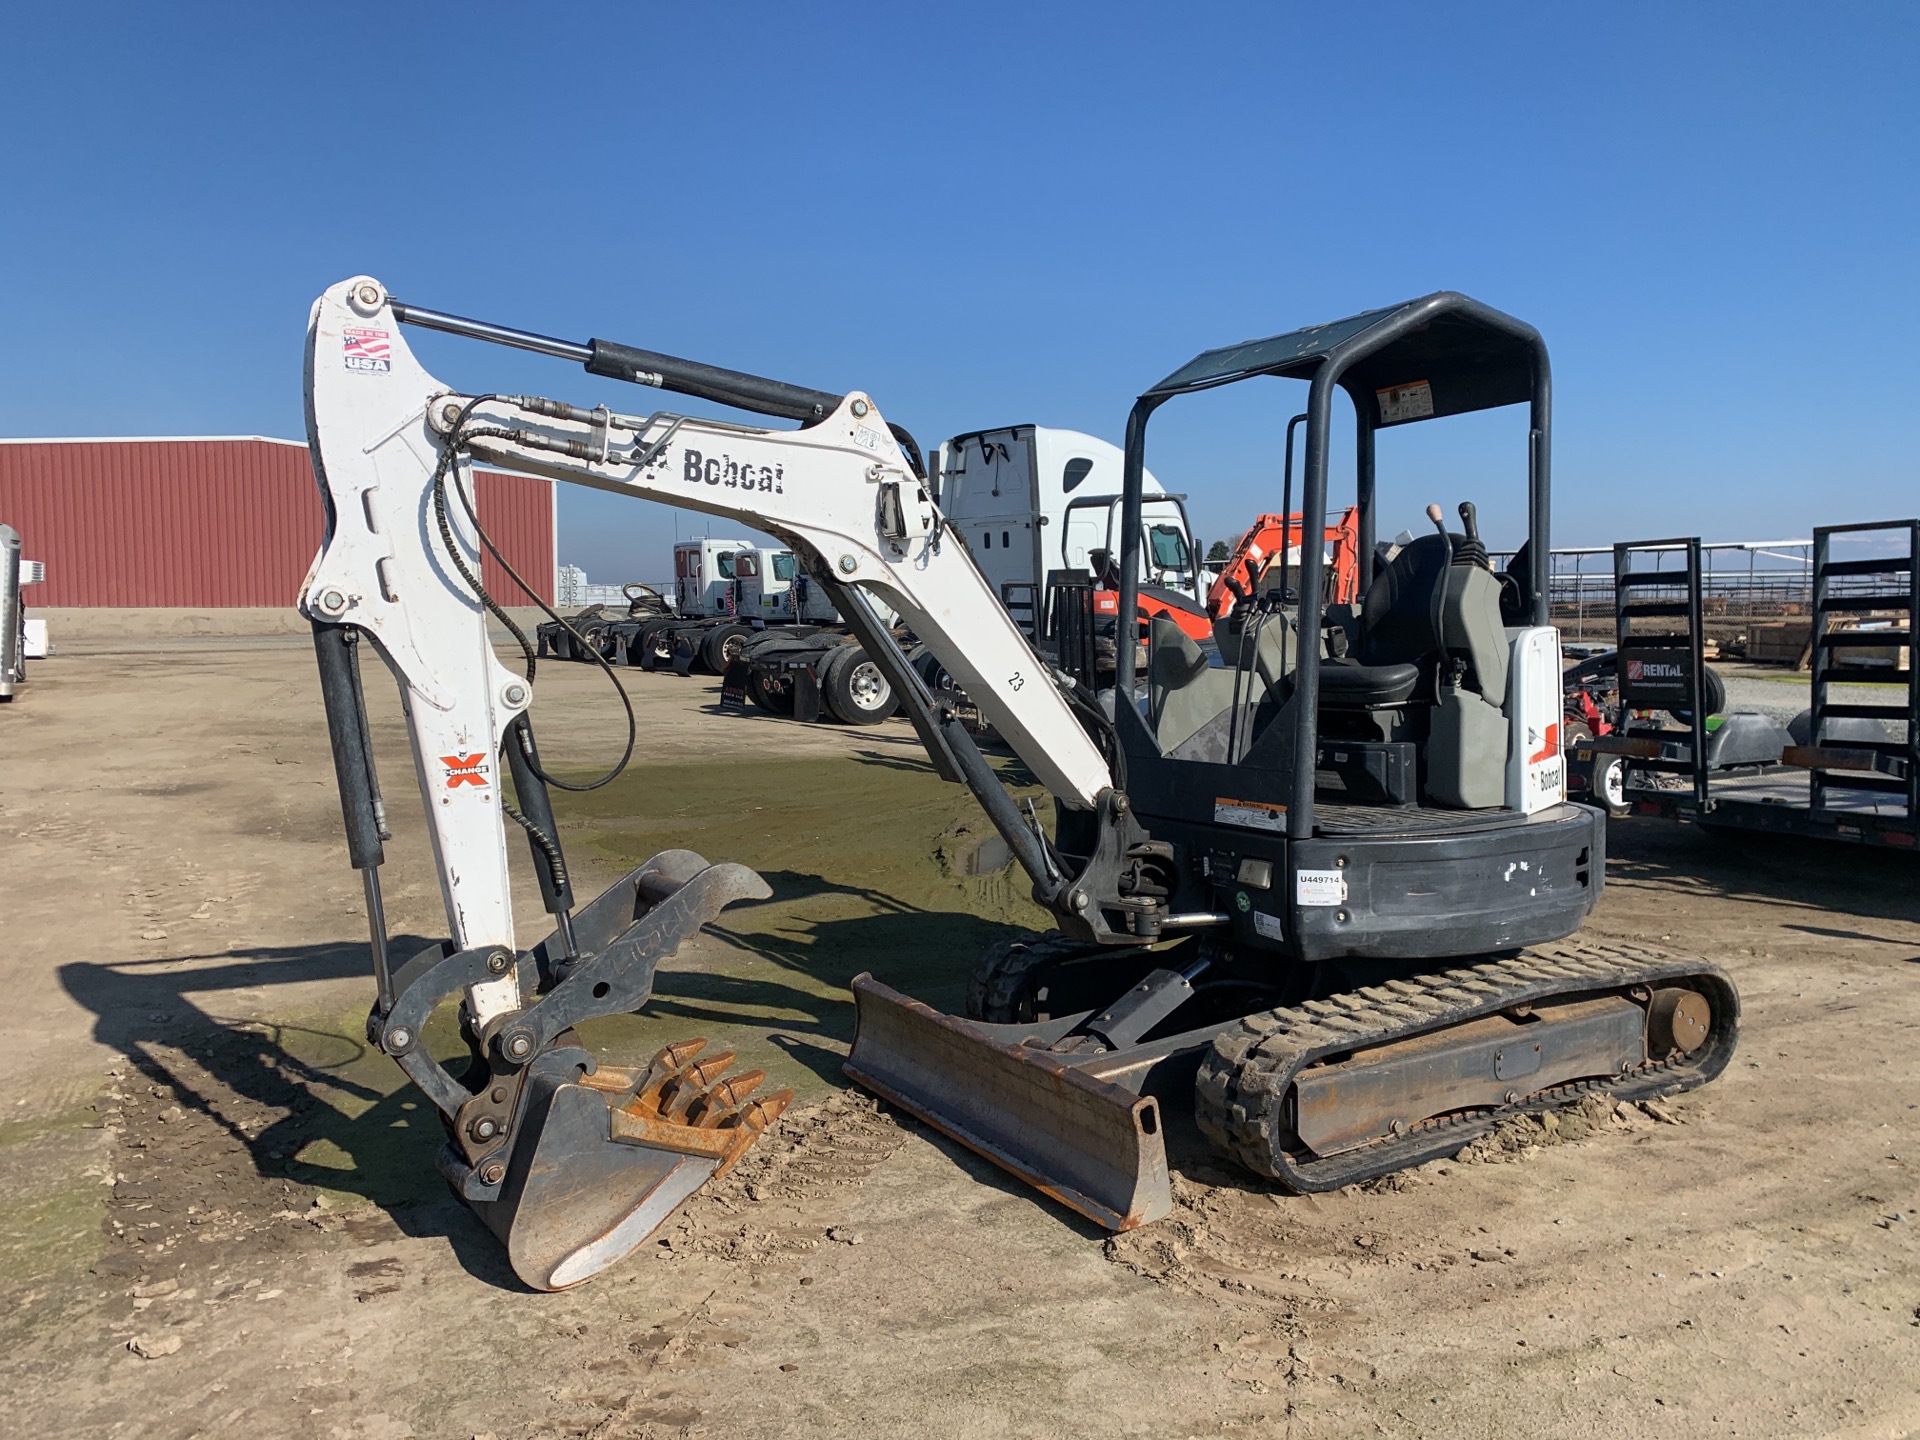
(572, 1163)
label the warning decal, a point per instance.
(368, 351)
(1405, 402)
(1253, 814)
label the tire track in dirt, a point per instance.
(767, 1205)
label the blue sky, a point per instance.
(985, 214)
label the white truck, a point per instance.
(1031, 504)
(774, 589)
(724, 592)
(708, 621)
(1031, 501)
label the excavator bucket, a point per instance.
(605, 1157)
(1094, 1146)
(570, 1162)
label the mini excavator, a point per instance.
(1320, 885)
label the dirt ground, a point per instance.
(218, 1213)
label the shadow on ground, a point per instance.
(275, 1111)
(1856, 881)
(248, 1121)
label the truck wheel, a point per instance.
(772, 694)
(641, 644)
(856, 691)
(931, 672)
(656, 647)
(1610, 784)
(722, 647)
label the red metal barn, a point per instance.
(213, 522)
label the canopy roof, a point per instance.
(1443, 354)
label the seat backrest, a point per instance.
(1421, 603)
(1177, 661)
(1401, 616)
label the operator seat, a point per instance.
(1427, 612)
(1400, 625)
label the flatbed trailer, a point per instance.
(1857, 784)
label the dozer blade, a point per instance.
(603, 1158)
(1091, 1144)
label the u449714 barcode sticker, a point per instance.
(1320, 887)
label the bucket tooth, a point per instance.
(597, 1165)
(724, 1100)
(693, 1083)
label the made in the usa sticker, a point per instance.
(369, 352)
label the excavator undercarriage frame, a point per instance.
(1317, 1095)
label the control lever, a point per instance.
(1470, 551)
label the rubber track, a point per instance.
(1244, 1080)
(999, 977)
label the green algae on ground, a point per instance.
(371, 1137)
(50, 1209)
(866, 857)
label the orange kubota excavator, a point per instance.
(1277, 537)
(1269, 538)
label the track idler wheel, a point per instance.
(605, 1155)
(1678, 1022)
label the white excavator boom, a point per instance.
(570, 1162)
(838, 491)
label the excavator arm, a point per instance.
(571, 1163)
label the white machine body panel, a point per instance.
(1536, 760)
(383, 567)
